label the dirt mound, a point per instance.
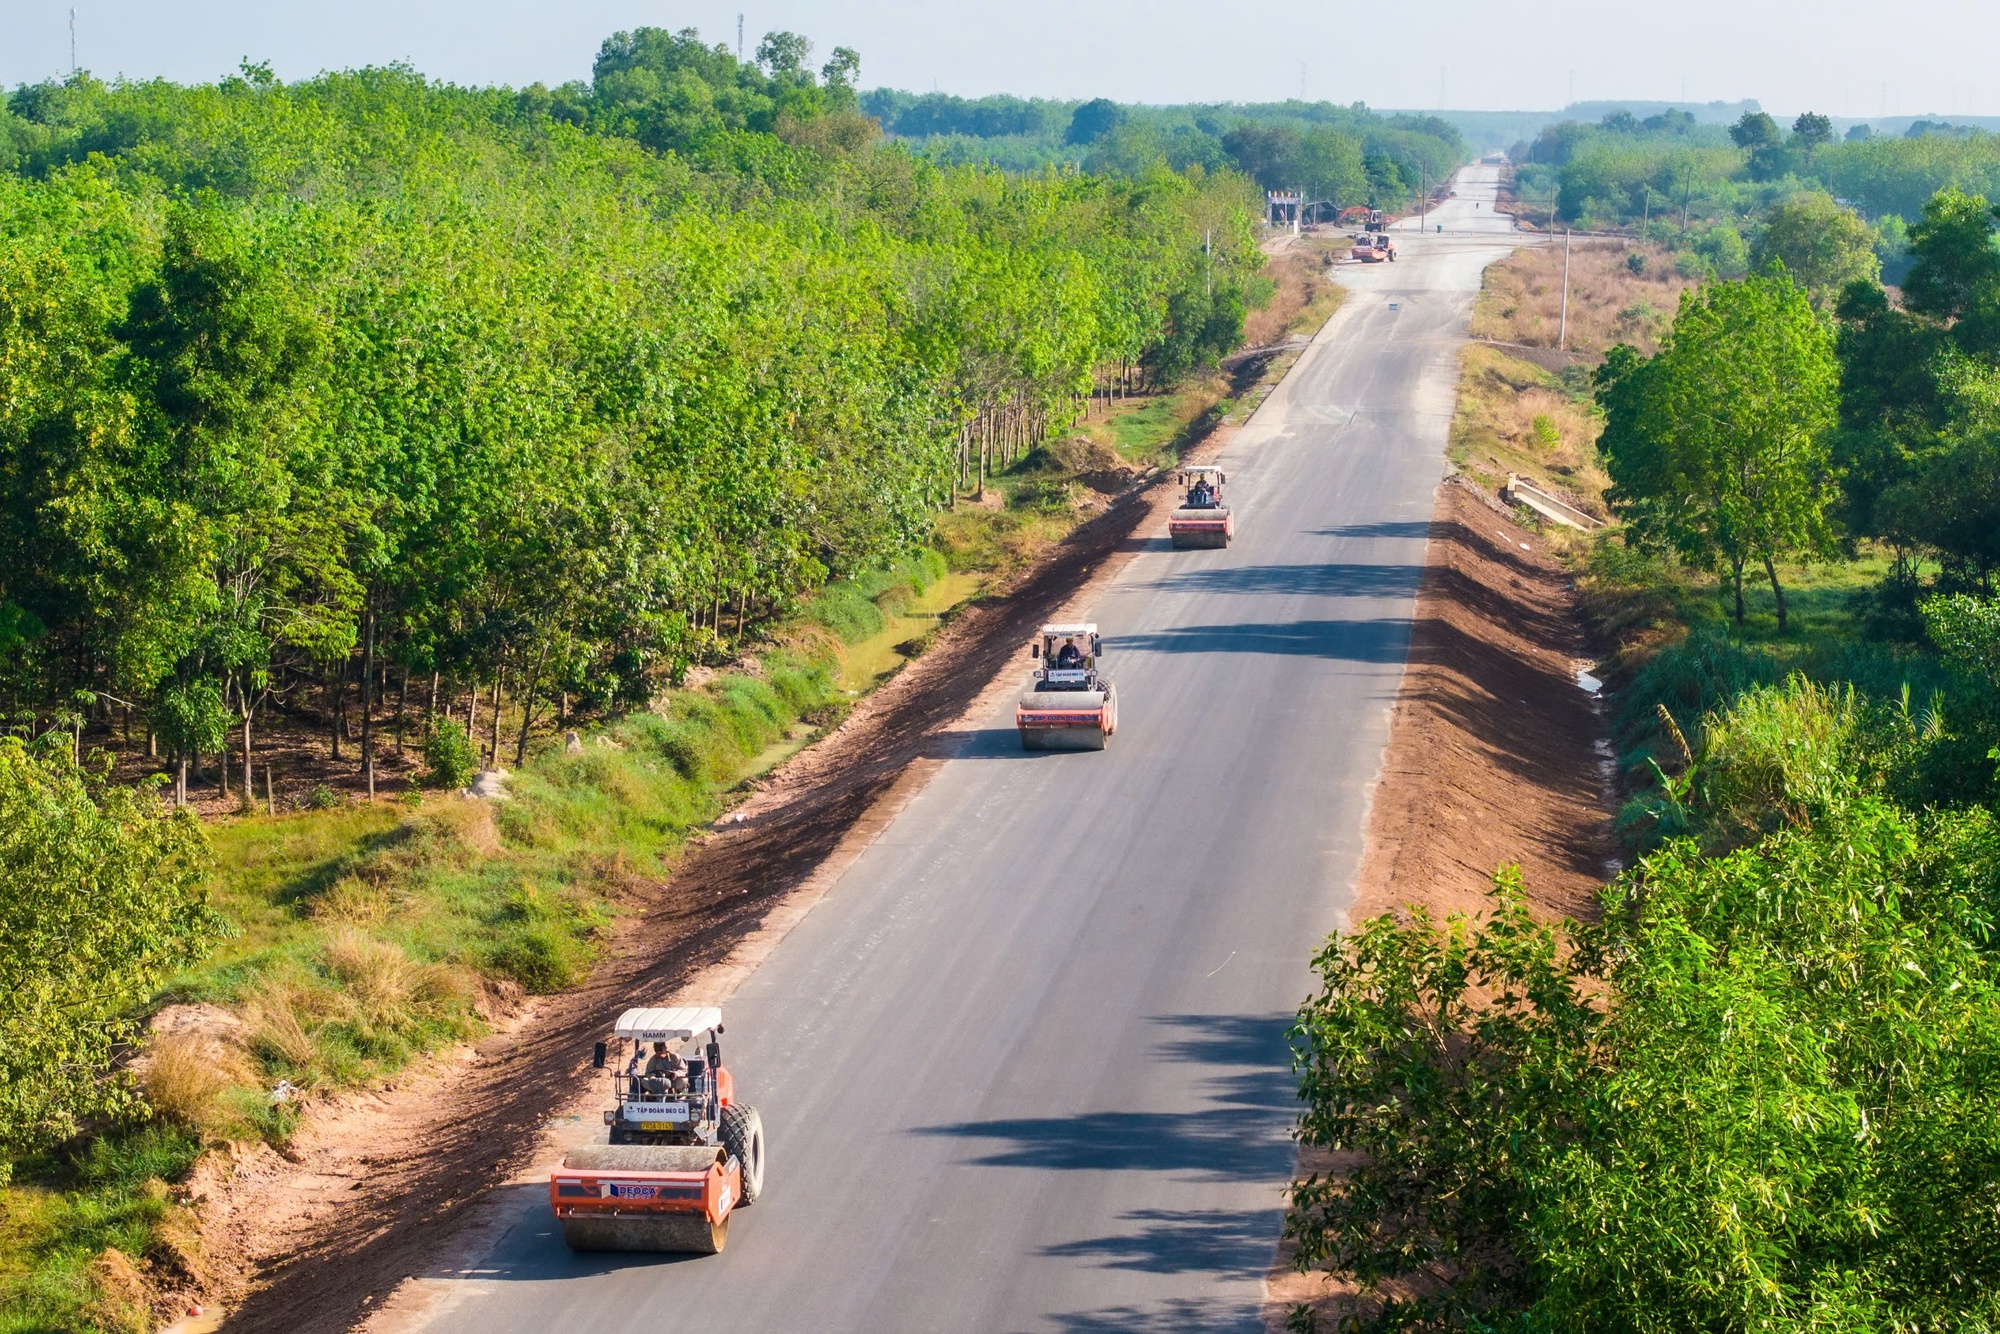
(1492, 747)
(1093, 462)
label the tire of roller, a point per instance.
(743, 1136)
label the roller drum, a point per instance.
(689, 1233)
(642, 1158)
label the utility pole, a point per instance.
(1687, 191)
(72, 41)
(1562, 332)
(739, 39)
(1648, 216)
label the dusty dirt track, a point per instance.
(380, 1188)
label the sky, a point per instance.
(1841, 57)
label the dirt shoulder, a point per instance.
(1493, 752)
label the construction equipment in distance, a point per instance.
(683, 1153)
(1373, 249)
(1202, 519)
(1376, 222)
(1068, 705)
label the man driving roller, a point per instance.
(667, 1067)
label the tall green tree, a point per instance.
(100, 899)
(1821, 244)
(1717, 445)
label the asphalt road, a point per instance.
(1025, 1067)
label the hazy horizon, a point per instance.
(1839, 57)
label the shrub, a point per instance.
(1761, 1095)
(450, 759)
(99, 900)
(322, 798)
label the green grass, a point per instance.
(1678, 650)
(64, 1210)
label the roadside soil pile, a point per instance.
(375, 1190)
(1493, 754)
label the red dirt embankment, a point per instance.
(1492, 752)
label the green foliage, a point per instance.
(1920, 396)
(450, 758)
(1821, 244)
(1967, 632)
(1716, 445)
(1761, 1093)
(281, 360)
(99, 901)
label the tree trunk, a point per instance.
(435, 674)
(493, 747)
(527, 702)
(336, 697)
(1736, 581)
(368, 694)
(249, 774)
(222, 751)
(402, 694)
(472, 715)
(1777, 591)
(181, 780)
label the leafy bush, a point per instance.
(99, 900)
(450, 758)
(1762, 1094)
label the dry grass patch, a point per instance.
(185, 1076)
(1306, 296)
(1513, 417)
(1609, 302)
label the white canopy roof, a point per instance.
(1196, 469)
(670, 1024)
(1071, 628)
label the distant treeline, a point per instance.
(1342, 154)
(368, 382)
(1621, 170)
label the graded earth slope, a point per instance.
(1024, 1067)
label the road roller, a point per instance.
(1068, 704)
(1202, 520)
(681, 1153)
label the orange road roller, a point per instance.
(1068, 704)
(683, 1155)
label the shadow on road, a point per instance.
(1174, 1317)
(1384, 641)
(1338, 579)
(1175, 1241)
(1243, 1132)
(1395, 528)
